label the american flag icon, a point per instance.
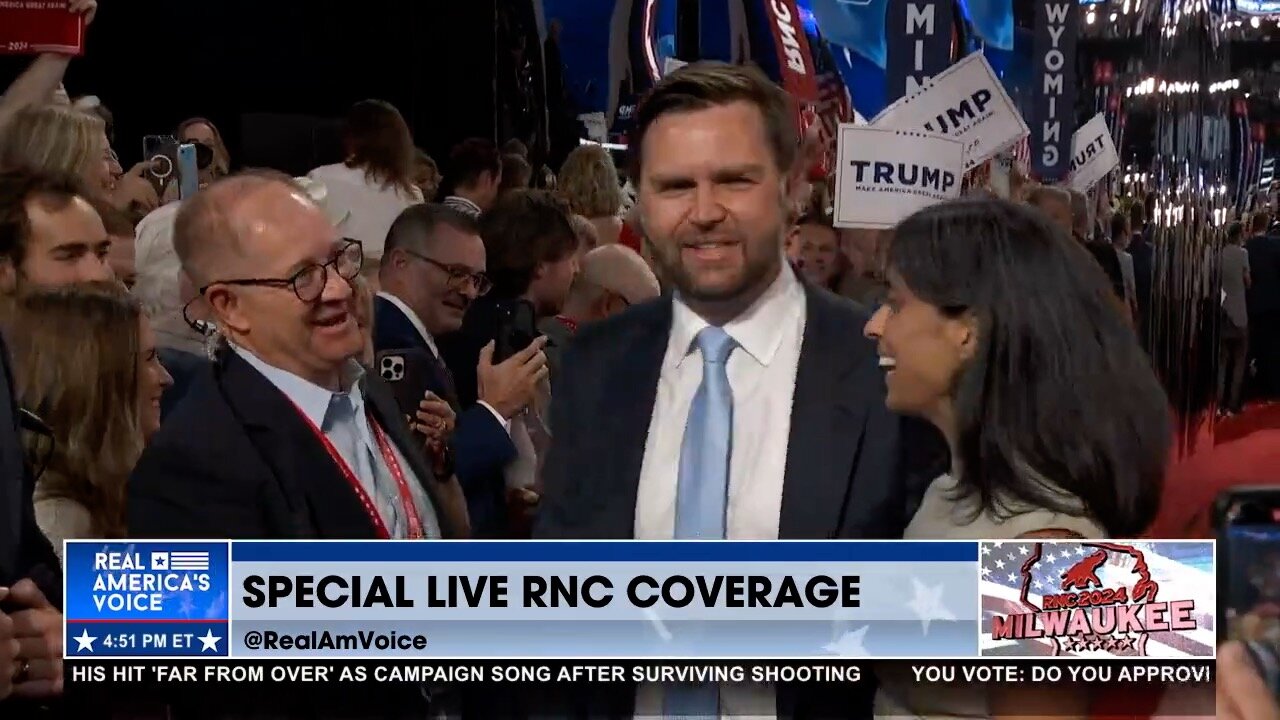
(181, 560)
(1017, 577)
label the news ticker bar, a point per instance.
(81, 673)
(691, 600)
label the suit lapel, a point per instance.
(633, 385)
(306, 473)
(826, 423)
(16, 486)
(387, 415)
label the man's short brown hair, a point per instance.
(524, 229)
(703, 85)
(19, 187)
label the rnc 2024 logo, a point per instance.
(1097, 599)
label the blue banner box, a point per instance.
(604, 599)
(147, 599)
(637, 600)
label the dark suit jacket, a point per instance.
(236, 461)
(1264, 271)
(24, 550)
(185, 368)
(1143, 253)
(481, 446)
(846, 473)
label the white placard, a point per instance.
(1093, 154)
(885, 175)
(966, 103)
(597, 126)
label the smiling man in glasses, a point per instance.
(433, 269)
(290, 439)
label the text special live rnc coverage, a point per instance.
(589, 616)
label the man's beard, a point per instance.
(755, 270)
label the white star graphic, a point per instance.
(986, 550)
(1081, 551)
(1013, 577)
(986, 571)
(1050, 558)
(1023, 549)
(999, 564)
(927, 604)
(849, 644)
(209, 641)
(84, 641)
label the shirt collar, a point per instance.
(311, 399)
(755, 330)
(413, 319)
(466, 204)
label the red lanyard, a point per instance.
(569, 323)
(393, 464)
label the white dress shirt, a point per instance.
(313, 402)
(369, 207)
(762, 375)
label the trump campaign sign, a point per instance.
(885, 175)
(966, 103)
(1093, 154)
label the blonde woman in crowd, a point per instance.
(588, 181)
(204, 132)
(59, 139)
(426, 175)
(85, 363)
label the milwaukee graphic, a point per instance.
(1078, 611)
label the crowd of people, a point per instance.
(391, 349)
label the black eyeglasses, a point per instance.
(459, 274)
(309, 282)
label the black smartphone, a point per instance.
(410, 373)
(517, 329)
(160, 152)
(1248, 528)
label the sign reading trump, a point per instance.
(965, 103)
(885, 175)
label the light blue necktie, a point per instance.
(703, 487)
(340, 427)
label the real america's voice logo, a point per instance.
(1097, 599)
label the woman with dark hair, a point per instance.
(1002, 332)
(376, 181)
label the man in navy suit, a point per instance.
(433, 268)
(746, 407)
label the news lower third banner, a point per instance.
(639, 600)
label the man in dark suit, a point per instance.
(749, 406)
(1264, 306)
(1143, 253)
(30, 588)
(288, 438)
(433, 269)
